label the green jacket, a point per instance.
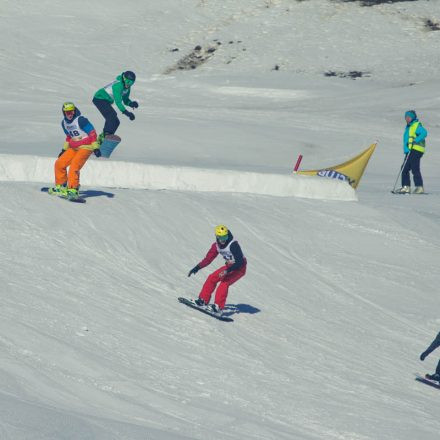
(115, 92)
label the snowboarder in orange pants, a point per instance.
(79, 145)
(75, 160)
(232, 271)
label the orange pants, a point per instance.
(75, 160)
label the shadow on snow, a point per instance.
(94, 193)
(234, 309)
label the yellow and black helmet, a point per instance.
(221, 233)
(68, 107)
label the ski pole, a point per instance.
(400, 172)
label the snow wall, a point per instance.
(117, 174)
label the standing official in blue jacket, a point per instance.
(413, 148)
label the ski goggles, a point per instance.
(128, 82)
(222, 238)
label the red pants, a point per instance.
(75, 160)
(222, 290)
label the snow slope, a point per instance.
(340, 295)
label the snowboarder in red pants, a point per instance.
(232, 271)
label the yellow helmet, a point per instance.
(221, 231)
(68, 106)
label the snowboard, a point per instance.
(78, 200)
(204, 309)
(110, 142)
(426, 381)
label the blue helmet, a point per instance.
(412, 114)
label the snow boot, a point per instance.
(72, 193)
(58, 190)
(418, 190)
(435, 376)
(404, 190)
(100, 139)
(215, 309)
(200, 302)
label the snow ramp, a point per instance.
(117, 174)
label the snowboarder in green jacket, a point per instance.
(117, 92)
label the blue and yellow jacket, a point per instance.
(414, 137)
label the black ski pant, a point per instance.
(412, 164)
(111, 117)
(434, 344)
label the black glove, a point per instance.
(62, 151)
(97, 152)
(133, 104)
(128, 114)
(194, 270)
(423, 355)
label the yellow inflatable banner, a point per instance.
(350, 171)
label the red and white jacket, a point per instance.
(230, 251)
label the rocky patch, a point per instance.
(352, 74)
(201, 54)
(432, 25)
(374, 2)
(195, 58)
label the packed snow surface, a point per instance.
(341, 291)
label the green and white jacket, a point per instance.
(115, 92)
